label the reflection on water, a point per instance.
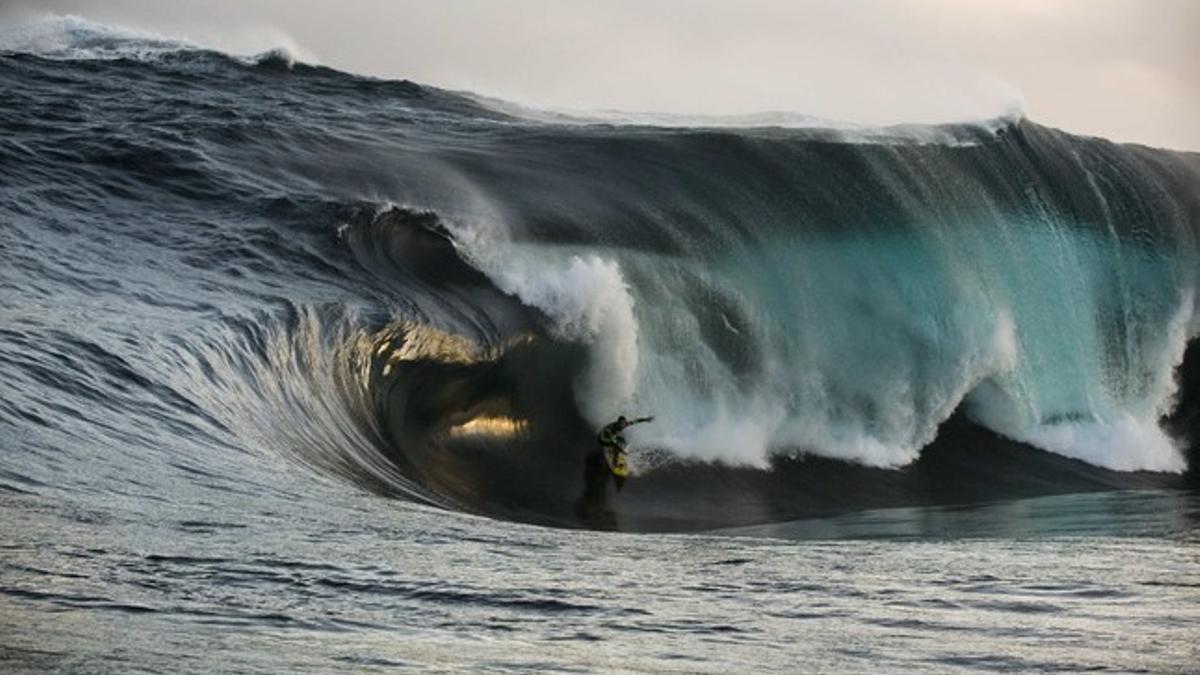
(497, 426)
(1135, 513)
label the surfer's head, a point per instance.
(621, 421)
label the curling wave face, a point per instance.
(439, 299)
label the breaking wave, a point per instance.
(439, 297)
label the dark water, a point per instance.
(250, 577)
(295, 366)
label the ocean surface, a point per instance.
(300, 371)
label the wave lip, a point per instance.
(963, 132)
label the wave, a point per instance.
(964, 132)
(856, 335)
(479, 411)
(75, 38)
(485, 417)
(440, 299)
(71, 37)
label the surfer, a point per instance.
(606, 462)
(612, 442)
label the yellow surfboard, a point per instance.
(617, 463)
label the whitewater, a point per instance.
(301, 370)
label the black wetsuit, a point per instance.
(610, 437)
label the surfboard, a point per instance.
(616, 463)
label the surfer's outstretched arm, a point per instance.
(643, 419)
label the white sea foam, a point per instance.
(1124, 443)
(1124, 438)
(72, 37)
(803, 409)
(865, 366)
(588, 301)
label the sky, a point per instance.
(1128, 70)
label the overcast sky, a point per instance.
(1128, 70)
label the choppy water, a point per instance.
(123, 583)
(296, 368)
